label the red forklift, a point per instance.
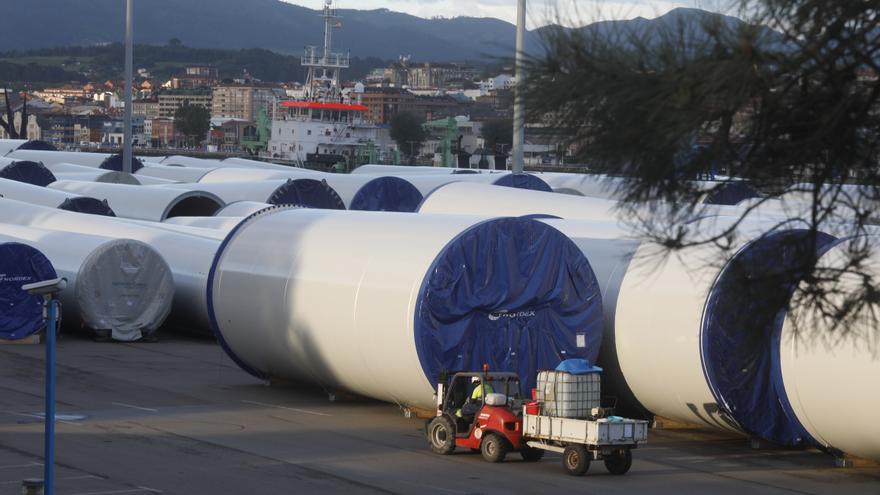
(485, 412)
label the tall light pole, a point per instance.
(519, 117)
(129, 81)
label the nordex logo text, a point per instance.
(507, 314)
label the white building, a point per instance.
(500, 82)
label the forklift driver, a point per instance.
(475, 401)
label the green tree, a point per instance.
(497, 133)
(193, 121)
(787, 101)
(409, 134)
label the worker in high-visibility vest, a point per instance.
(475, 401)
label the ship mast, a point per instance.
(325, 67)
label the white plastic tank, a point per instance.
(120, 288)
(610, 248)
(147, 203)
(831, 374)
(188, 256)
(381, 303)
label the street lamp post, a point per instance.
(129, 62)
(519, 118)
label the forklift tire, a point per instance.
(619, 462)
(576, 460)
(531, 454)
(441, 435)
(494, 447)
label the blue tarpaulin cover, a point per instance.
(523, 181)
(512, 293)
(308, 193)
(387, 194)
(578, 367)
(22, 313)
(38, 145)
(114, 163)
(731, 193)
(742, 325)
(85, 204)
(28, 172)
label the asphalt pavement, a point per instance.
(178, 417)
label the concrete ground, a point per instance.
(177, 417)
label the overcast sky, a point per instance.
(539, 11)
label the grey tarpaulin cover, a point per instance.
(126, 287)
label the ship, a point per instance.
(327, 126)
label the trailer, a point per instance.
(581, 441)
(485, 412)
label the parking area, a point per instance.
(178, 417)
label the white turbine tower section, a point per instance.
(289, 302)
(173, 173)
(35, 195)
(147, 203)
(119, 286)
(48, 158)
(188, 256)
(235, 174)
(245, 163)
(7, 145)
(403, 170)
(67, 171)
(222, 224)
(241, 209)
(823, 367)
(472, 199)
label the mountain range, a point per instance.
(278, 26)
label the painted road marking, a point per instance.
(43, 417)
(69, 478)
(139, 408)
(18, 466)
(304, 411)
(139, 489)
